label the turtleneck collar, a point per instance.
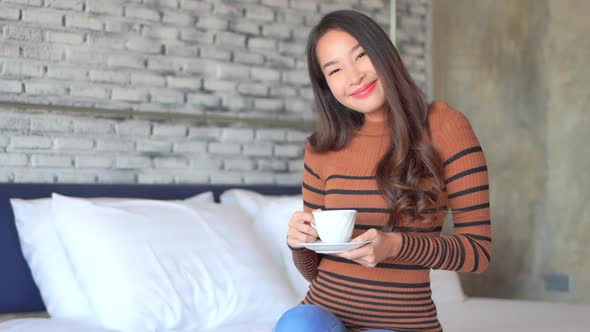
(374, 128)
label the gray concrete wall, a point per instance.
(227, 80)
(515, 68)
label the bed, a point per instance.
(22, 308)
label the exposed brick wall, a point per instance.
(242, 58)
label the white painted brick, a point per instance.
(51, 161)
(11, 86)
(4, 141)
(190, 83)
(65, 4)
(146, 78)
(199, 66)
(306, 93)
(29, 175)
(174, 17)
(109, 76)
(253, 89)
(280, 61)
(125, 161)
(258, 178)
(51, 123)
(296, 165)
(134, 128)
(195, 5)
(26, 2)
(181, 49)
(89, 91)
(83, 21)
(93, 126)
(129, 94)
(162, 3)
(293, 18)
(224, 148)
(301, 33)
(45, 87)
(373, 4)
(10, 14)
(258, 150)
(121, 26)
(260, 13)
(230, 39)
(236, 102)
(288, 179)
(268, 104)
(190, 177)
(42, 16)
(13, 159)
(171, 162)
(204, 132)
(292, 48)
(225, 178)
(85, 57)
(273, 165)
(142, 13)
(215, 53)
(30, 142)
(75, 177)
(289, 150)
(276, 3)
(94, 161)
(9, 50)
(144, 45)
(326, 8)
(109, 7)
(296, 77)
(203, 37)
(277, 135)
(50, 52)
(73, 143)
(160, 32)
(296, 136)
(130, 61)
(206, 163)
(207, 100)
(114, 144)
(265, 74)
(232, 71)
(238, 165)
(169, 130)
(64, 37)
(282, 91)
(153, 146)
(190, 147)
(167, 96)
(151, 177)
(212, 22)
(245, 26)
(310, 5)
(262, 44)
(22, 69)
(312, 19)
(163, 63)
(106, 41)
(297, 105)
(66, 72)
(237, 134)
(219, 85)
(280, 31)
(248, 58)
(117, 176)
(19, 33)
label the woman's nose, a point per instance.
(355, 76)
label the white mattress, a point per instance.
(471, 315)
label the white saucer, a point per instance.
(332, 248)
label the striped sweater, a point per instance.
(396, 294)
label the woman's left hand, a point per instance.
(384, 245)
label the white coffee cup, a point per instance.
(334, 226)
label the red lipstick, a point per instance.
(365, 90)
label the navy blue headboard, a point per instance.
(18, 292)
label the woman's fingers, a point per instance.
(300, 229)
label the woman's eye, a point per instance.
(362, 54)
(333, 72)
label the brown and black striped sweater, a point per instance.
(396, 294)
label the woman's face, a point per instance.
(350, 74)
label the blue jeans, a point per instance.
(311, 318)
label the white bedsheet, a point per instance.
(46, 325)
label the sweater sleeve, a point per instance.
(305, 260)
(469, 248)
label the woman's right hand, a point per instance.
(301, 229)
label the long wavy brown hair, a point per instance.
(410, 157)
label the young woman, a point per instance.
(402, 163)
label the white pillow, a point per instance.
(47, 260)
(271, 215)
(446, 286)
(160, 266)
